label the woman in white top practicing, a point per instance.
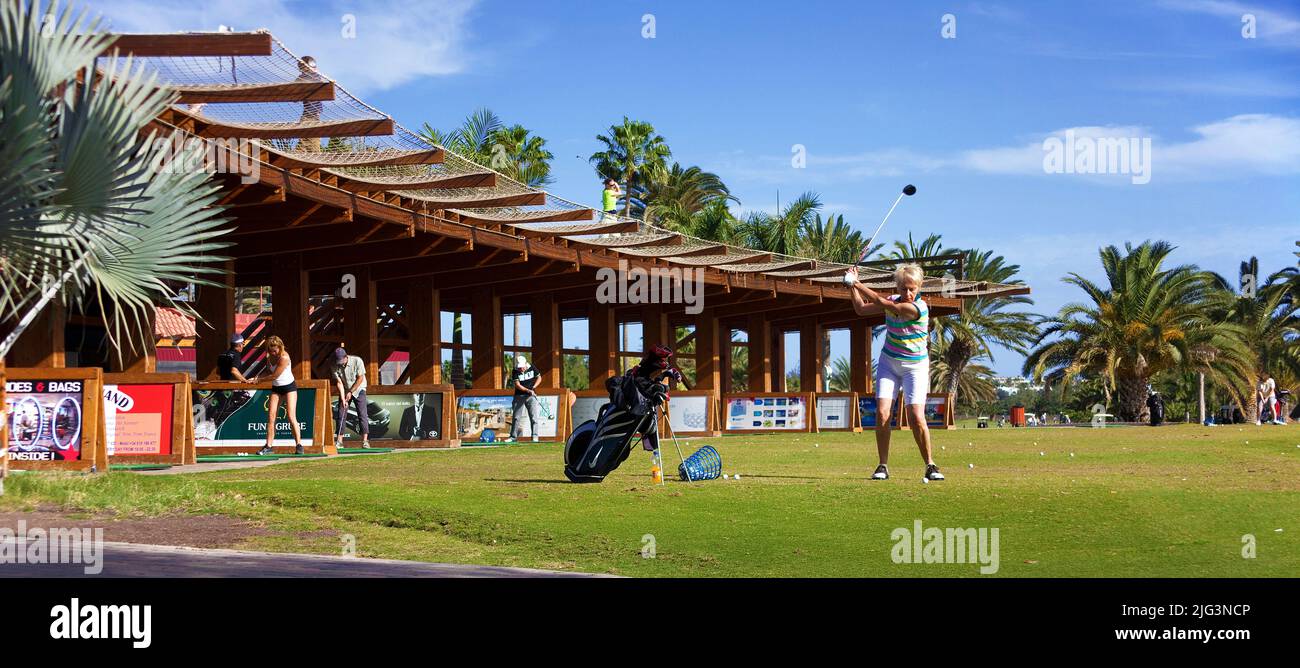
(904, 363)
(283, 387)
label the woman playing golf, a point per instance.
(904, 361)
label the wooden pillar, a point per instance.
(654, 328)
(137, 356)
(216, 308)
(602, 344)
(810, 355)
(41, 344)
(860, 380)
(360, 320)
(424, 324)
(488, 349)
(546, 339)
(708, 359)
(760, 354)
(778, 360)
(289, 311)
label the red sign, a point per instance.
(138, 419)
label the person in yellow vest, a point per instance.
(609, 198)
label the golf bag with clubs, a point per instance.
(599, 446)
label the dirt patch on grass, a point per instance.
(216, 531)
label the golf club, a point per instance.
(908, 190)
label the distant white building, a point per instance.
(1013, 384)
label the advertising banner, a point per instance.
(775, 413)
(834, 413)
(238, 418)
(587, 408)
(688, 414)
(404, 417)
(138, 419)
(474, 414)
(45, 419)
(867, 413)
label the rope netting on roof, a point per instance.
(404, 158)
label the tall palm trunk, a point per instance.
(957, 356)
(1133, 398)
(457, 356)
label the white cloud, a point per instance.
(394, 44)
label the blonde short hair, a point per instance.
(909, 270)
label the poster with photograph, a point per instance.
(867, 413)
(587, 408)
(775, 413)
(688, 414)
(238, 418)
(403, 417)
(936, 409)
(476, 414)
(45, 419)
(138, 419)
(833, 413)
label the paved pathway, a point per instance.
(131, 560)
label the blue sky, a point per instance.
(877, 97)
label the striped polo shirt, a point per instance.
(906, 340)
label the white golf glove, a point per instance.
(849, 279)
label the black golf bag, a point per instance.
(1157, 405)
(599, 446)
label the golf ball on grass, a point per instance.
(971, 465)
(726, 477)
(925, 480)
(737, 476)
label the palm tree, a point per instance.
(930, 247)
(1270, 318)
(1147, 320)
(840, 378)
(832, 240)
(784, 232)
(635, 155)
(526, 158)
(679, 193)
(484, 140)
(90, 210)
(983, 321)
(714, 223)
(973, 383)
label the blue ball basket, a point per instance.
(705, 464)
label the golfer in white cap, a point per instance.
(228, 363)
(524, 380)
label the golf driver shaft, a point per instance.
(867, 247)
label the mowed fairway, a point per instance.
(1132, 502)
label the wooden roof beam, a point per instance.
(473, 180)
(173, 45)
(292, 91)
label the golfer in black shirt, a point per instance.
(524, 380)
(228, 362)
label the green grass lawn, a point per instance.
(1132, 502)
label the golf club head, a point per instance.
(909, 190)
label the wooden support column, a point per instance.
(424, 322)
(488, 349)
(654, 328)
(41, 344)
(810, 356)
(602, 344)
(760, 354)
(708, 359)
(778, 360)
(216, 308)
(289, 311)
(546, 339)
(860, 377)
(360, 316)
(143, 358)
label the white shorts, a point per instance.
(913, 378)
